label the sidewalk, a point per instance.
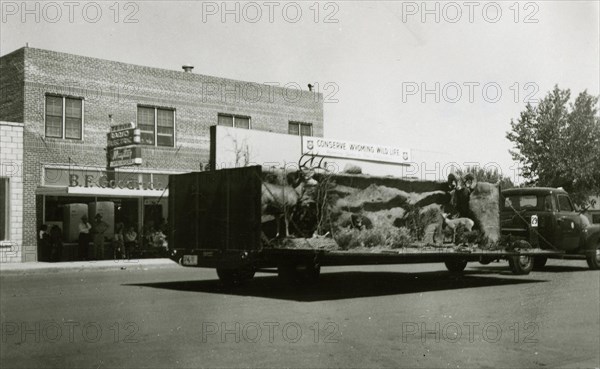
(80, 266)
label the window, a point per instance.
(549, 203)
(3, 208)
(521, 202)
(157, 126)
(300, 129)
(64, 117)
(236, 121)
(564, 203)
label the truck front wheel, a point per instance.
(520, 265)
(593, 258)
(456, 266)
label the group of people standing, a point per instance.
(124, 242)
(92, 238)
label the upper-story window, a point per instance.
(300, 129)
(236, 121)
(64, 117)
(157, 126)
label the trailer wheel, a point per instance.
(485, 261)
(291, 273)
(312, 273)
(539, 262)
(235, 277)
(593, 258)
(520, 265)
(456, 266)
(287, 273)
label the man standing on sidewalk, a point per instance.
(100, 227)
(84, 238)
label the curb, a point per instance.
(82, 266)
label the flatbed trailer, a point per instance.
(215, 219)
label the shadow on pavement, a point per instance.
(345, 285)
(546, 269)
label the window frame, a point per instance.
(300, 125)
(63, 129)
(234, 117)
(156, 109)
(560, 208)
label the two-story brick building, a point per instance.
(67, 103)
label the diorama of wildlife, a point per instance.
(315, 208)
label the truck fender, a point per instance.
(592, 241)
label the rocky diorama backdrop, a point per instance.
(356, 212)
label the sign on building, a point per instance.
(123, 145)
(123, 137)
(353, 150)
(121, 156)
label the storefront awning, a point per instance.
(98, 191)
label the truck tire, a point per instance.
(456, 266)
(485, 260)
(520, 265)
(290, 273)
(539, 262)
(593, 258)
(235, 277)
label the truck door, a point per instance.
(568, 224)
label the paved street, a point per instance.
(376, 316)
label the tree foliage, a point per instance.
(558, 143)
(491, 175)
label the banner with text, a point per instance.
(353, 150)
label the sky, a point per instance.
(442, 78)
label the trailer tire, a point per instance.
(287, 273)
(456, 266)
(539, 262)
(520, 265)
(485, 261)
(290, 274)
(235, 277)
(593, 258)
(312, 273)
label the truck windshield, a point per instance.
(523, 202)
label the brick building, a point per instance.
(66, 104)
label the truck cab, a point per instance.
(548, 218)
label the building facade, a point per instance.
(65, 105)
(11, 193)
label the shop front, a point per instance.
(130, 202)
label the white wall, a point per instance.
(279, 150)
(11, 167)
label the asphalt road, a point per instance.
(377, 316)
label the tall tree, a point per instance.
(558, 143)
(491, 175)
